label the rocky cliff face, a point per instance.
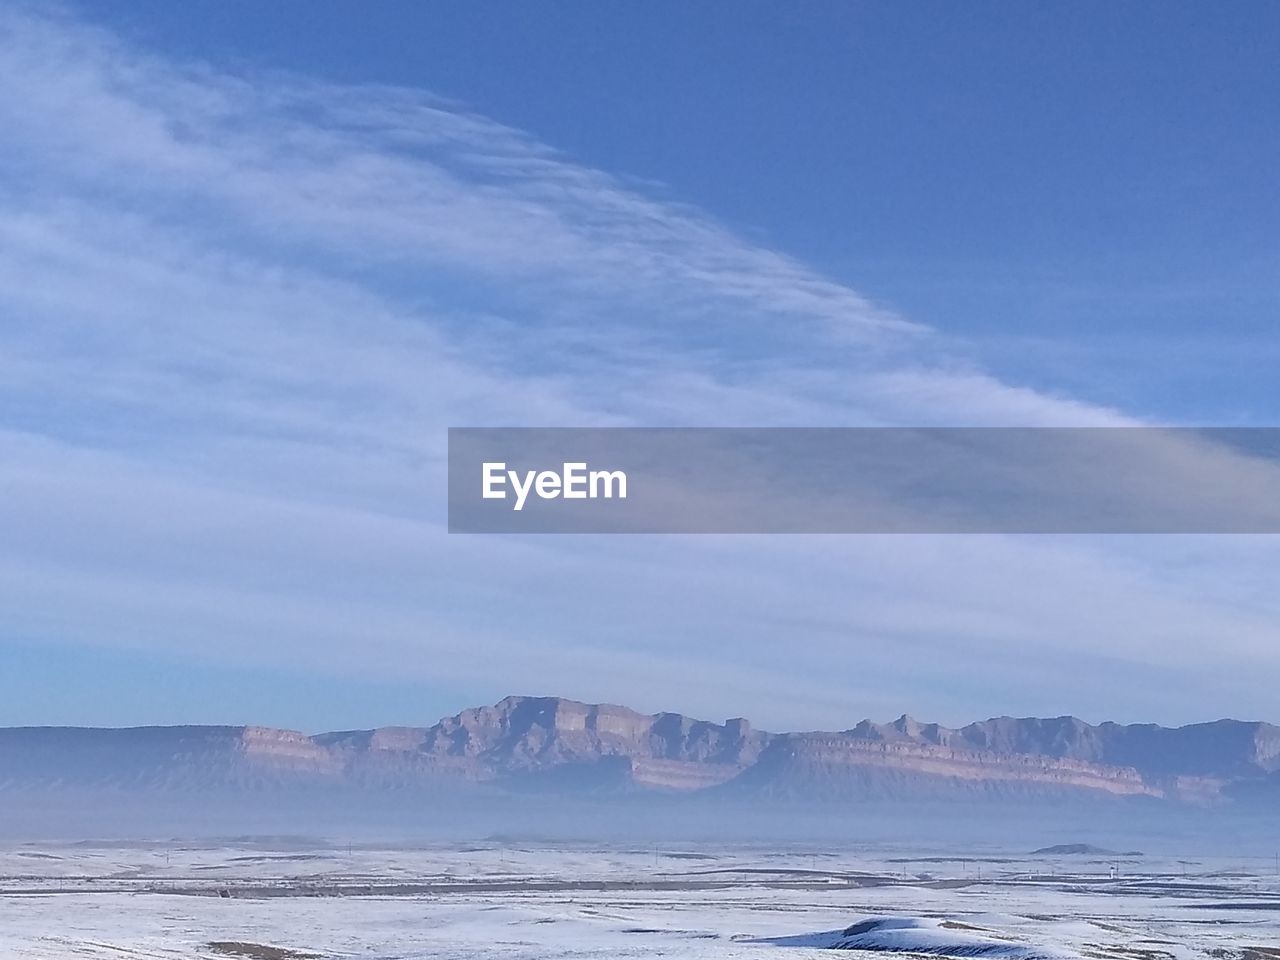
(531, 737)
(848, 767)
(554, 744)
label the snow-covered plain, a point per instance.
(286, 899)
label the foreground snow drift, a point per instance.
(944, 938)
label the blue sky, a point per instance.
(254, 259)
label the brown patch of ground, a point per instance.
(1130, 953)
(258, 951)
(1109, 927)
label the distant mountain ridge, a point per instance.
(553, 744)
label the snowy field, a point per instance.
(287, 900)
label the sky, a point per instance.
(255, 259)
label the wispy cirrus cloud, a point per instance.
(238, 313)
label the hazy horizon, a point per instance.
(457, 708)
